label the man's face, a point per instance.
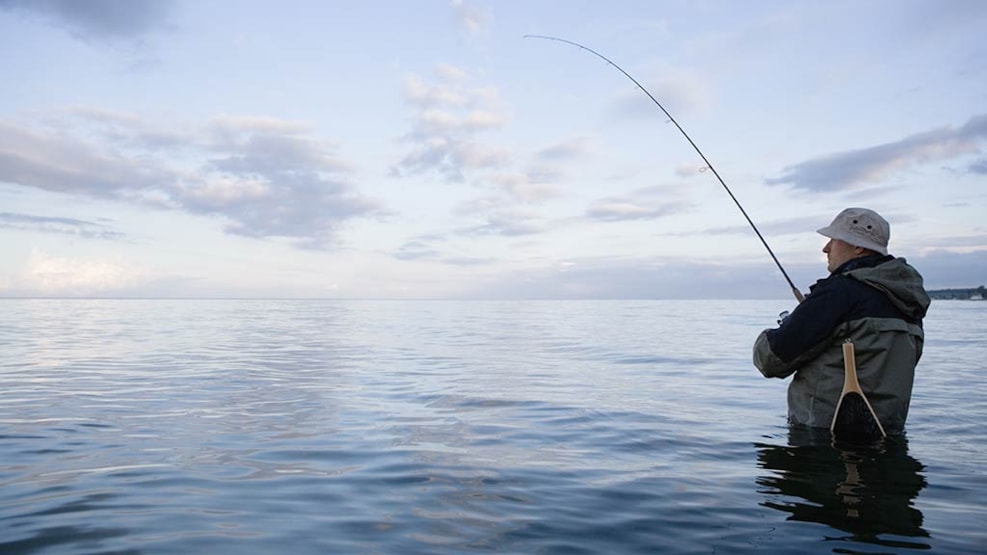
(838, 252)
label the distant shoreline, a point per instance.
(970, 294)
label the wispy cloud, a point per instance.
(425, 248)
(490, 217)
(530, 187)
(61, 226)
(511, 222)
(959, 243)
(621, 209)
(644, 204)
(474, 20)
(570, 149)
(419, 248)
(854, 168)
(448, 116)
(267, 178)
(544, 173)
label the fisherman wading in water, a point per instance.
(873, 299)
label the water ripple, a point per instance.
(417, 427)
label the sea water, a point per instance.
(316, 426)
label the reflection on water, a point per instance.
(311, 427)
(867, 491)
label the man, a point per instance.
(875, 300)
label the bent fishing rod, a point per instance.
(795, 290)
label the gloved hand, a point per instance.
(782, 317)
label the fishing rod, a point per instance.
(795, 290)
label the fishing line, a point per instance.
(795, 290)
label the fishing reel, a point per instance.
(782, 316)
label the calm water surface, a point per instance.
(159, 426)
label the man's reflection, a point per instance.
(865, 491)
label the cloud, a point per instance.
(409, 252)
(98, 19)
(422, 95)
(126, 131)
(45, 274)
(421, 248)
(644, 204)
(854, 168)
(62, 226)
(451, 158)
(259, 153)
(539, 182)
(956, 243)
(417, 249)
(53, 161)
(468, 261)
(620, 209)
(502, 215)
(267, 178)
(507, 222)
(448, 116)
(531, 187)
(497, 217)
(226, 124)
(570, 149)
(270, 181)
(471, 18)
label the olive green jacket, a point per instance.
(877, 303)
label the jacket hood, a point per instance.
(901, 283)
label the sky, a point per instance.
(428, 149)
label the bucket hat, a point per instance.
(860, 227)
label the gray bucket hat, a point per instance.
(860, 227)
